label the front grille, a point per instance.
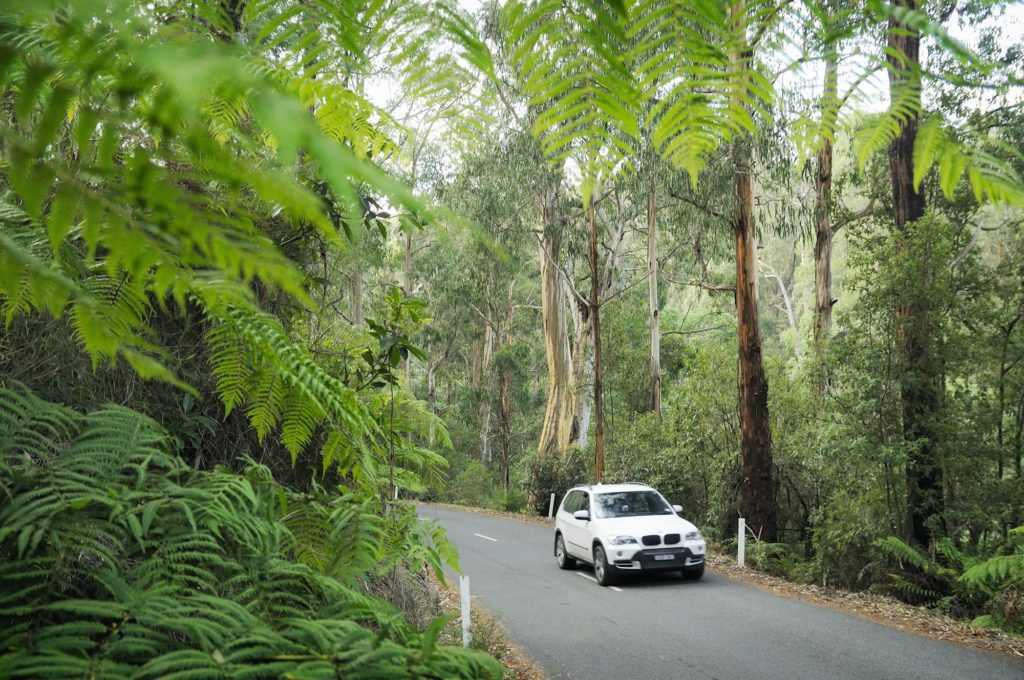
(671, 539)
(648, 560)
(664, 551)
(651, 539)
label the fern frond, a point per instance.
(583, 92)
(998, 571)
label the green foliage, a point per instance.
(958, 152)
(183, 188)
(260, 367)
(119, 560)
(583, 91)
(678, 71)
(473, 484)
(682, 53)
(1001, 578)
(921, 578)
(553, 475)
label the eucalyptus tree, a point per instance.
(915, 142)
(481, 282)
(701, 87)
(586, 98)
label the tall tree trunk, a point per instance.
(490, 341)
(559, 413)
(595, 320)
(823, 219)
(611, 283)
(919, 389)
(505, 425)
(758, 488)
(584, 389)
(652, 302)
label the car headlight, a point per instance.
(621, 540)
(693, 536)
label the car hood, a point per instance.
(648, 524)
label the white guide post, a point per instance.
(467, 635)
(741, 542)
(551, 506)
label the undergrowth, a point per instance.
(119, 561)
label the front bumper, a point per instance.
(657, 559)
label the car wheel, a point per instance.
(604, 572)
(693, 573)
(561, 556)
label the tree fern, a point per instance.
(938, 142)
(210, 580)
(135, 205)
(682, 53)
(1000, 571)
(581, 89)
(280, 380)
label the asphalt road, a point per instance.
(660, 627)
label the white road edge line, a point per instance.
(591, 578)
(486, 537)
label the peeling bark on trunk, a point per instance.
(652, 302)
(758, 497)
(823, 222)
(582, 363)
(485, 404)
(757, 501)
(919, 390)
(559, 413)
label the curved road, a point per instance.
(663, 628)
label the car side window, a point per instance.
(584, 503)
(571, 501)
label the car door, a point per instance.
(577, 540)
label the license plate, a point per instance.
(664, 557)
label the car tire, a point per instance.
(603, 572)
(562, 558)
(693, 573)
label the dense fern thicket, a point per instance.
(121, 561)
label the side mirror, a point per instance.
(582, 515)
(677, 509)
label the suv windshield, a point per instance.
(630, 504)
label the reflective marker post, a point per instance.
(467, 635)
(551, 506)
(741, 542)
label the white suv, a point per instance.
(625, 528)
